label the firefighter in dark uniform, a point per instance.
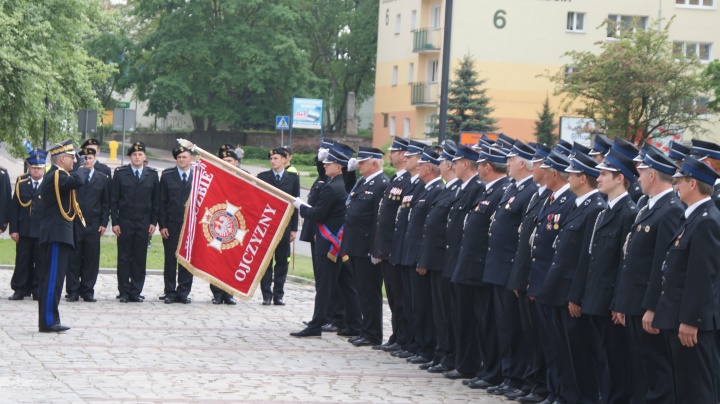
(5, 198)
(288, 182)
(638, 286)
(94, 200)
(420, 284)
(593, 285)
(360, 217)
(630, 151)
(709, 153)
(134, 208)
(175, 186)
(601, 146)
(60, 208)
(25, 213)
(466, 168)
(687, 312)
(432, 259)
(98, 166)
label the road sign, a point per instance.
(87, 121)
(282, 122)
(123, 104)
(129, 115)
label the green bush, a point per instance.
(389, 170)
(254, 152)
(304, 160)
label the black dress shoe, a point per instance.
(124, 299)
(279, 302)
(514, 394)
(136, 299)
(306, 333)
(388, 347)
(266, 302)
(17, 296)
(418, 360)
(366, 342)
(217, 300)
(427, 365)
(162, 297)
(73, 297)
(330, 328)
(468, 381)
(439, 368)
(170, 300)
(405, 354)
(397, 352)
(183, 300)
(54, 328)
(380, 346)
(353, 339)
(480, 384)
(348, 333)
(500, 386)
(227, 299)
(89, 298)
(454, 374)
(530, 398)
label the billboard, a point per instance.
(307, 113)
(471, 138)
(577, 130)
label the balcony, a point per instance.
(425, 94)
(427, 40)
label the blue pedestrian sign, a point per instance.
(282, 123)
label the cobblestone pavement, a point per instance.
(156, 352)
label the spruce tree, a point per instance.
(545, 125)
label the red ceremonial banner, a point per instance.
(232, 226)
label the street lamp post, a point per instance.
(445, 78)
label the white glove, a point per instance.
(322, 154)
(297, 203)
(352, 164)
(374, 260)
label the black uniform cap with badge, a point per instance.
(227, 153)
(337, 155)
(429, 156)
(398, 144)
(366, 153)
(414, 148)
(522, 150)
(697, 169)
(90, 142)
(65, 147)
(556, 160)
(87, 152)
(227, 146)
(464, 152)
(136, 147)
(279, 151)
(658, 161)
(618, 162)
(178, 150)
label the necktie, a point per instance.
(35, 185)
(277, 177)
(184, 178)
(357, 185)
(552, 198)
(137, 174)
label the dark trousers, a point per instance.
(513, 352)
(392, 277)
(132, 255)
(28, 261)
(423, 326)
(272, 283)
(607, 342)
(694, 368)
(406, 275)
(651, 371)
(546, 331)
(171, 268)
(536, 372)
(52, 277)
(489, 346)
(576, 365)
(332, 275)
(84, 262)
(442, 319)
(368, 283)
(467, 347)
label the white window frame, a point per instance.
(406, 128)
(688, 4)
(413, 20)
(392, 126)
(394, 78)
(618, 19)
(572, 22)
(436, 16)
(694, 47)
(433, 70)
(398, 23)
(411, 72)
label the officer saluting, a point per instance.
(56, 231)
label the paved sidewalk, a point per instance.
(154, 352)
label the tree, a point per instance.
(468, 107)
(236, 62)
(545, 125)
(636, 86)
(42, 55)
(711, 77)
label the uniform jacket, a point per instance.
(690, 288)
(133, 200)
(98, 166)
(640, 278)
(594, 285)
(543, 241)
(5, 196)
(54, 228)
(401, 221)
(716, 195)
(290, 184)
(361, 215)
(432, 251)
(518, 279)
(634, 191)
(94, 200)
(571, 250)
(419, 207)
(460, 206)
(173, 197)
(329, 210)
(385, 223)
(503, 242)
(470, 265)
(26, 221)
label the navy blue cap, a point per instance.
(482, 142)
(564, 147)
(464, 152)
(504, 141)
(601, 145)
(345, 149)
(643, 151)
(37, 158)
(583, 164)
(366, 153)
(521, 150)
(697, 169)
(493, 155)
(541, 152)
(398, 144)
(625, 147)
(326, 143)
(532, 144)
(337, 155)
(616, 161)
(414, 147)
(556, 160)
(448, 151)
(658, 161)
(430, 156)
(677, 151)
(577, 147)
(701, 149)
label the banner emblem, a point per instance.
(224, 226)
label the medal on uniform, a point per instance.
(647, 229)
(639, 227)
(549, 222)
(509, 202)
(557, 219)
(677, 242)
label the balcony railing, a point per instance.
(425, 94)
(427, 40)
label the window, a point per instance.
(696, 3)
(397, 24)
(392, 126)
(430, 119)
(385, 119)
(406, 128)
(434, 70)
(435, 16)
(620, 23)
(693, 49)
(394, 76)
(696, 105)
(411, 72)
(413, 20)
(570, 70)
(576, 22)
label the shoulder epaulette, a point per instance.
(23, 177)
(168, 170)
(121, 168)
(151, 168)
(291, 169)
